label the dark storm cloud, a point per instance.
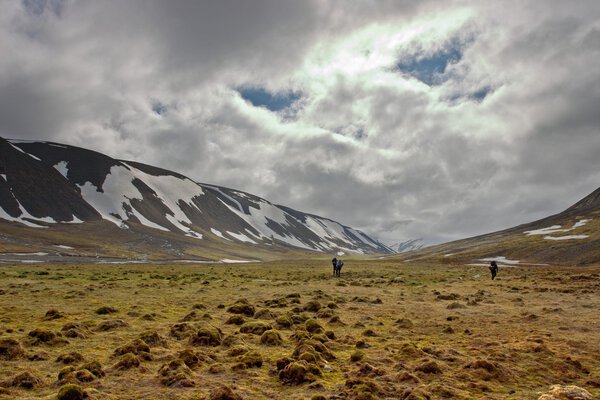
(501, 126)
(28, 110)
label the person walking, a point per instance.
(334, 262)
(493, 269)
(338, 267)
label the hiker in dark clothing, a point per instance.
(338, 267)
(493, 269)
(334, 262)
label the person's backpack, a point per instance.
(340, 264)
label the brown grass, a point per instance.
(384, 329)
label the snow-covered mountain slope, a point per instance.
(43, 184)
(408, 245)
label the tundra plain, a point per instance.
(386, 329)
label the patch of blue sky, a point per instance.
(481, 94)
(430, 69)
(38, 7)
(478, 95)
(159, 108)
(260, 97)
(357, 132)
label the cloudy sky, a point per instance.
(406, 119)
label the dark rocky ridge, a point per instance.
(33, 181)
(42, 191)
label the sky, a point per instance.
(406, 119)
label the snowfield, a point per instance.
(119, 190)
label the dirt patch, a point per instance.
(10, 349)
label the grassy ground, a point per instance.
(383, 330)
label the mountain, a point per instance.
(571, 237)
(408, 245)
(126, 209)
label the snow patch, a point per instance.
(75, 220)
(25, 214)
(556, 228)
(119, 190)
(62, 246)
(62, 168)
(501, 259)
(259, 219)
(193, 234)
(263, 213)
(234, 201)
(353, 251)
(241, 237)
(545, 231)
(22, 151)
(123, 262)
(24, 141)
(146, 222)
(219, 234)
(228, 261)
(48, 220)
(487, 265)
(41, 254)
(333, 230)
(568, 237)
(363, 238)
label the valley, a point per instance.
(289, 329)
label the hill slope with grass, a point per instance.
(63, 195)
(571, 237)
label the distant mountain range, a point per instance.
(92, 203)
(408, 245)
(571, 237)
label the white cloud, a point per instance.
(368, 145)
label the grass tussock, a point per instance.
(289, 330)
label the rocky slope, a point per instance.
(66, 189)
